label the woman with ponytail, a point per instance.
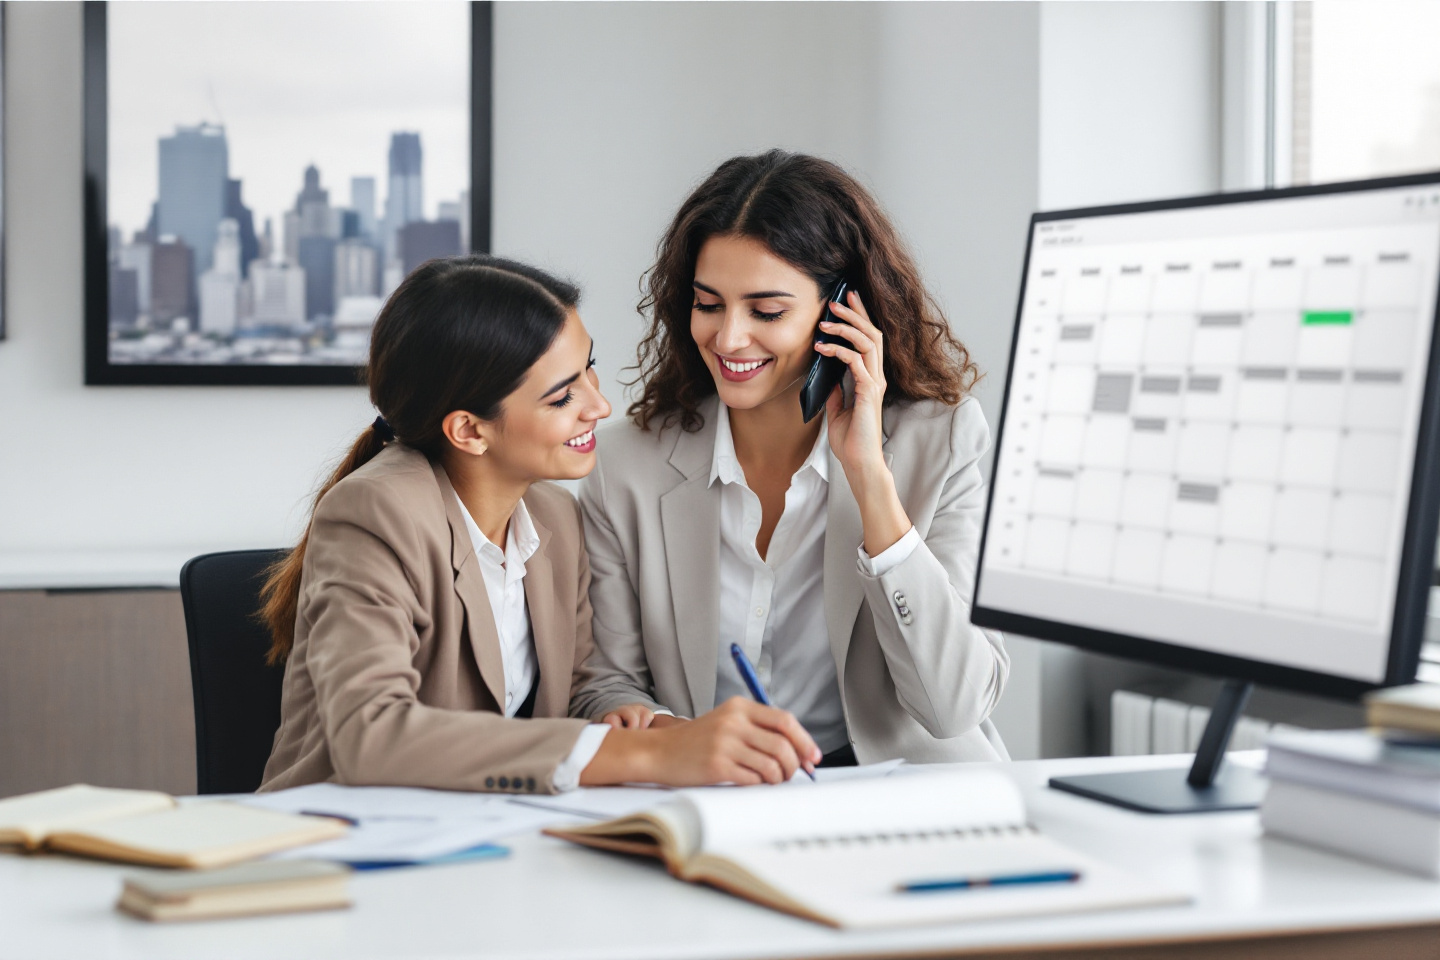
(434, 619)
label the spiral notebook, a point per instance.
(844, 853)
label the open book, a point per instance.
(140, 826)
(843, 853)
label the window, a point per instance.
(1365, 98)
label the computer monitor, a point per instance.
(1218, 444)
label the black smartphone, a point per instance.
(825, 372)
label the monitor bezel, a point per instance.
(1417, 557)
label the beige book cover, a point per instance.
(270, 886)
(196, 835)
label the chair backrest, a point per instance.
(237, 696)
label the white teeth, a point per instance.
(741, 367)
(581, 440)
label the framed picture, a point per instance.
(260, 175)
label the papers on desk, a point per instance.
(400, 825)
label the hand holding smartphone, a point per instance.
(825, 372)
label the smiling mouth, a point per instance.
(741, 369)
(583, 443)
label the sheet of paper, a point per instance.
(598, 803)
(417, 841)
(864, 771)
(374, 803)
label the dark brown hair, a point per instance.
(819, 219)
(457, 334)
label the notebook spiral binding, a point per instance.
(844, 841)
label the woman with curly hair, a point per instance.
(838, 553)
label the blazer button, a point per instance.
(504, 783)
(530, 784)
(490, 783)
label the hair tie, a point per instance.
(382, 428)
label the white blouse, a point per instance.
(775, 608)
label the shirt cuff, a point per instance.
(891, 557)
(567, 775)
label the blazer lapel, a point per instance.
(690, 521)
(470, 587)
(554, 646)
(844, 532)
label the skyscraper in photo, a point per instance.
(405, 201)
(362, 201)
(172, 281)
(194, 185)
(236, 210)
(219, 286)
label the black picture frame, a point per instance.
(99, 370)
(1417, 554)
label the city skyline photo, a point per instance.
(274, 169)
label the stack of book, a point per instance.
(1373, 794)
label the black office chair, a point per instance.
(237, 696)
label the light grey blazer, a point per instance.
(922, 690)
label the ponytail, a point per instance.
(280, 596)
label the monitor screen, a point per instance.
(1210, 427)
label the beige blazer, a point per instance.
(396, 674)
(922, 690)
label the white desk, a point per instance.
(551, 899)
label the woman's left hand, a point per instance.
(632, 716)
(855, 433)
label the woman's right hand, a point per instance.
(739, 742)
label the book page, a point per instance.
(733, 819)
(856, 884)
(30, 818)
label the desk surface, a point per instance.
(551, 899)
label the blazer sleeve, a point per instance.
(617, 672)
(365, 577)
(948, 673)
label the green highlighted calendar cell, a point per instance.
(1331, 317)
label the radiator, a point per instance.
(1142, 724)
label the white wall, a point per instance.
(1130, 101)
(88, 474)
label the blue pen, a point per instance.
(752, 682)
(1003, 880)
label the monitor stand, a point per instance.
(1210, 786)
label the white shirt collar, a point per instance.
(725, 466)
(521, 541)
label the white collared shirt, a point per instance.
(775, 608)
(504, 575)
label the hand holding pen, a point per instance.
(752, 683)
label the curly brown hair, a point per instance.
(818, 218)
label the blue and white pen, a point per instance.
(941, 884)
(752, 682)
